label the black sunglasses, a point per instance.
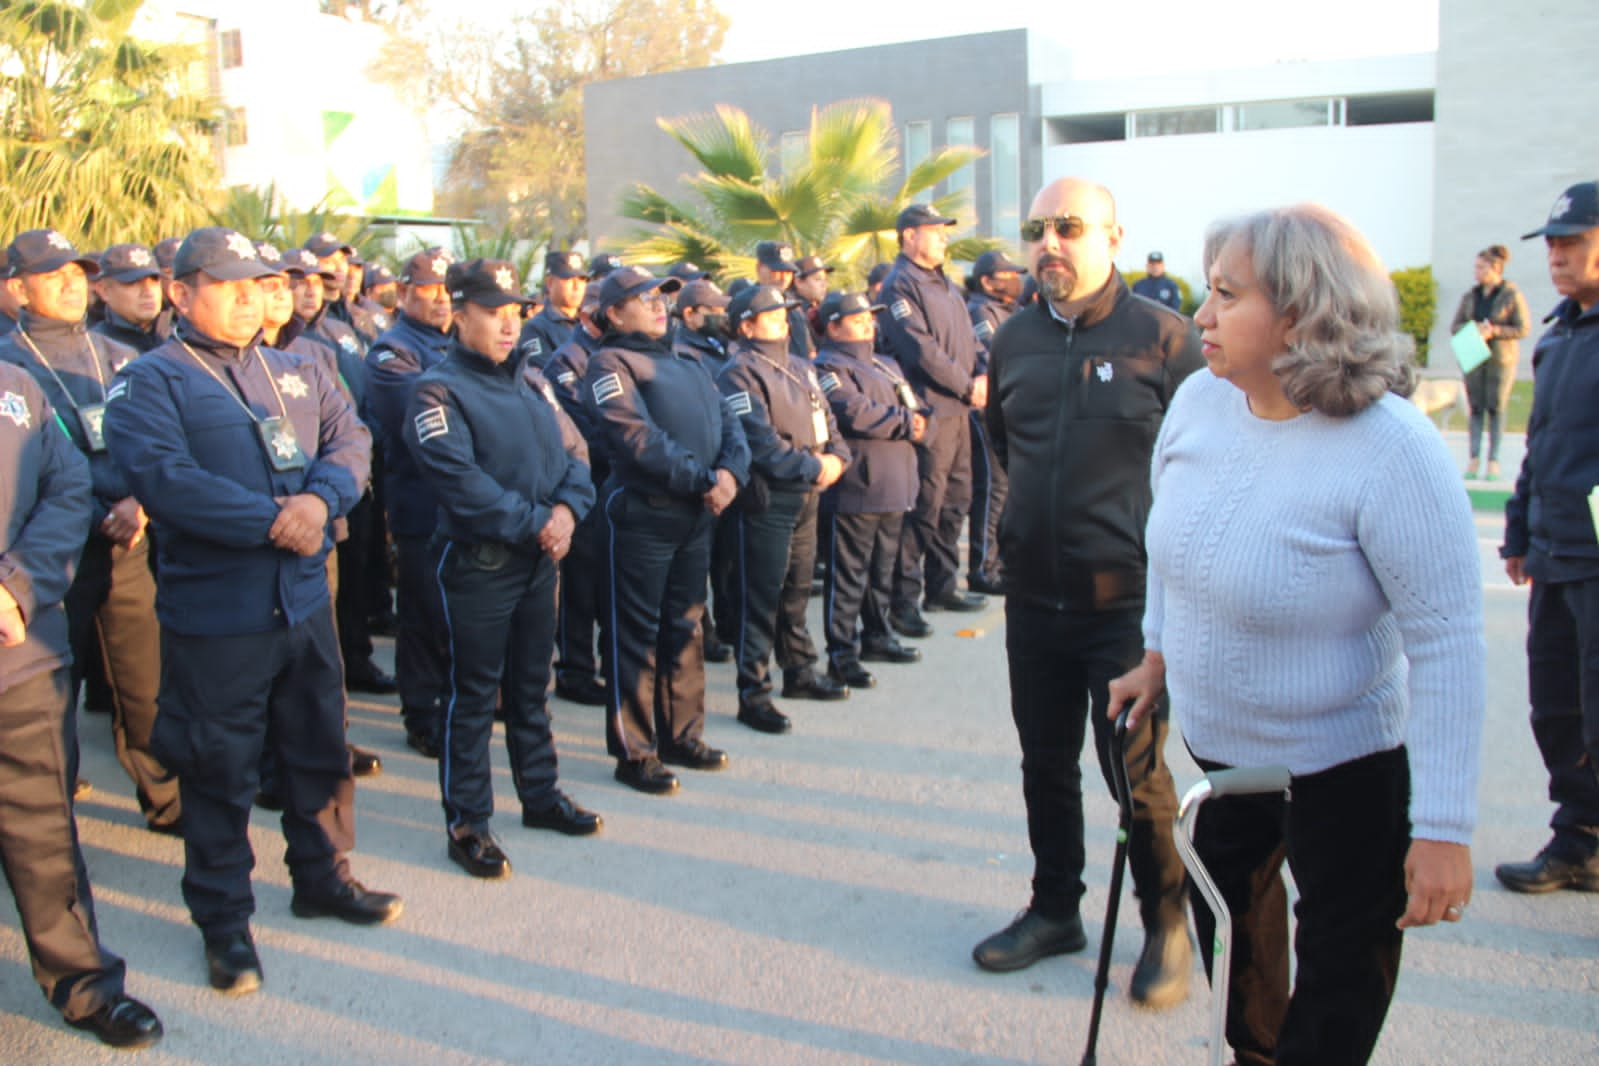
(1066, 227)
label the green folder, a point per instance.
(1471, 351)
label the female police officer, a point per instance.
(677, 460)
(510, 494)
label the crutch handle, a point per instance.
(1248, 780)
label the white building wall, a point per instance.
(1170, 189)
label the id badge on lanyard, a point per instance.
(906, 395)
(91, 419)
(282, 446)
(819, 424)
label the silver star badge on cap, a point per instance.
(139, 257)
(240, 246)
(504, 279)
(55, 240)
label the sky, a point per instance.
(1127, 39)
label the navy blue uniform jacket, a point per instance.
(399, 355)
(543, 334)
(928, 332)
(666, 427)
(493, 449)
(1547, 519)
(860, 388)
(773, 393)
(45, 511)
(82, 368)
(195, 460)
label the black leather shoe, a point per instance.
(694, 754)
(1160, 979)
(955, 600)
(422, 744)
(809, 685)
(122, 1022)
(850, 673)
(646, 775)
(909, 623)
(985, 585)
(563, 816)
(364, 763)
(1029, 938)
(716, 651)
(584, 690)
(764, 718)
(1550, 871)
(479, 854)
(351, 901)
(366, 677)
(234, 967)
(888, 650)
(269, 800)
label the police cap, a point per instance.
(997, 262)
(603, 264)
(566, 264)
(776, 255)
(322, 245)
(756, 300)
(485, 282)
(701, 293)
(843, 304)
(685, 271)
(221, 253)
(921, 215)
(43, 251)
(128, 263)
(810, 265)
(166, 252)
(631, 281)
(377, 274)
(302, 262)
(1577, 211)
(428, 267)
(270, 255)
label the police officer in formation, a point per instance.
(47, 514)
(129, 285)
(111, 603)
(927, 330)
(994, 292)
(796, 452)
(243, 455)
(678, 458)
(862, 514)
(565, 281)
(511, 487)
(776, 266)
(416, 342)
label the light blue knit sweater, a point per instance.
(1315, 588)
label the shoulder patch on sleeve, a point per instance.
(984, 330)
(739, 403)
(535, 346)
(565, 377)
(608, 387)
(900, 309)
(385, 356)
(118, 390)
(430, 423)
(829, 381)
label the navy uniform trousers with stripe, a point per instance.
(773, 557)
(499, 609)
(657, 553)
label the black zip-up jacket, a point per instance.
(711, 352)
(493, 450)
(1547, 520)
(864, 390)
(1073, 411)
(122, 331)
(928, 332)
(543, 334)
(86, 364)
(666, 426)
(776, 396)
(44, 513)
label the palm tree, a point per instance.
(839, 202)
(99, 138)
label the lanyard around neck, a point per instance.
(283, 411)
(94, 358)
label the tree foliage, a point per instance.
(517, 88)
(1418, 305)
(840, 201)
(99, 136)
(263, 214)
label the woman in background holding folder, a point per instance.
(1500, 313)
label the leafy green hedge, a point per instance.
(1418, 305)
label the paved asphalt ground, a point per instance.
(814, 904)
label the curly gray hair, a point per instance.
(1345, 347)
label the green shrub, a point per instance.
(1418, 304)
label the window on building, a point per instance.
(1087, 129)
(961, 133)
(918, 142)
(236, 133)
(1286, 114)
(1389, 109)
(1177, 122)
(232, 49)
(791, 150)
(1005, 158)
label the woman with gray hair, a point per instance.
(1315, 602)
(1499, 311)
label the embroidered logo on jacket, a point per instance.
(293, 386)
(608, 388)
(434, 422)
(15, 408)
(829, 381)
(739, 403)
(1105, 371)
